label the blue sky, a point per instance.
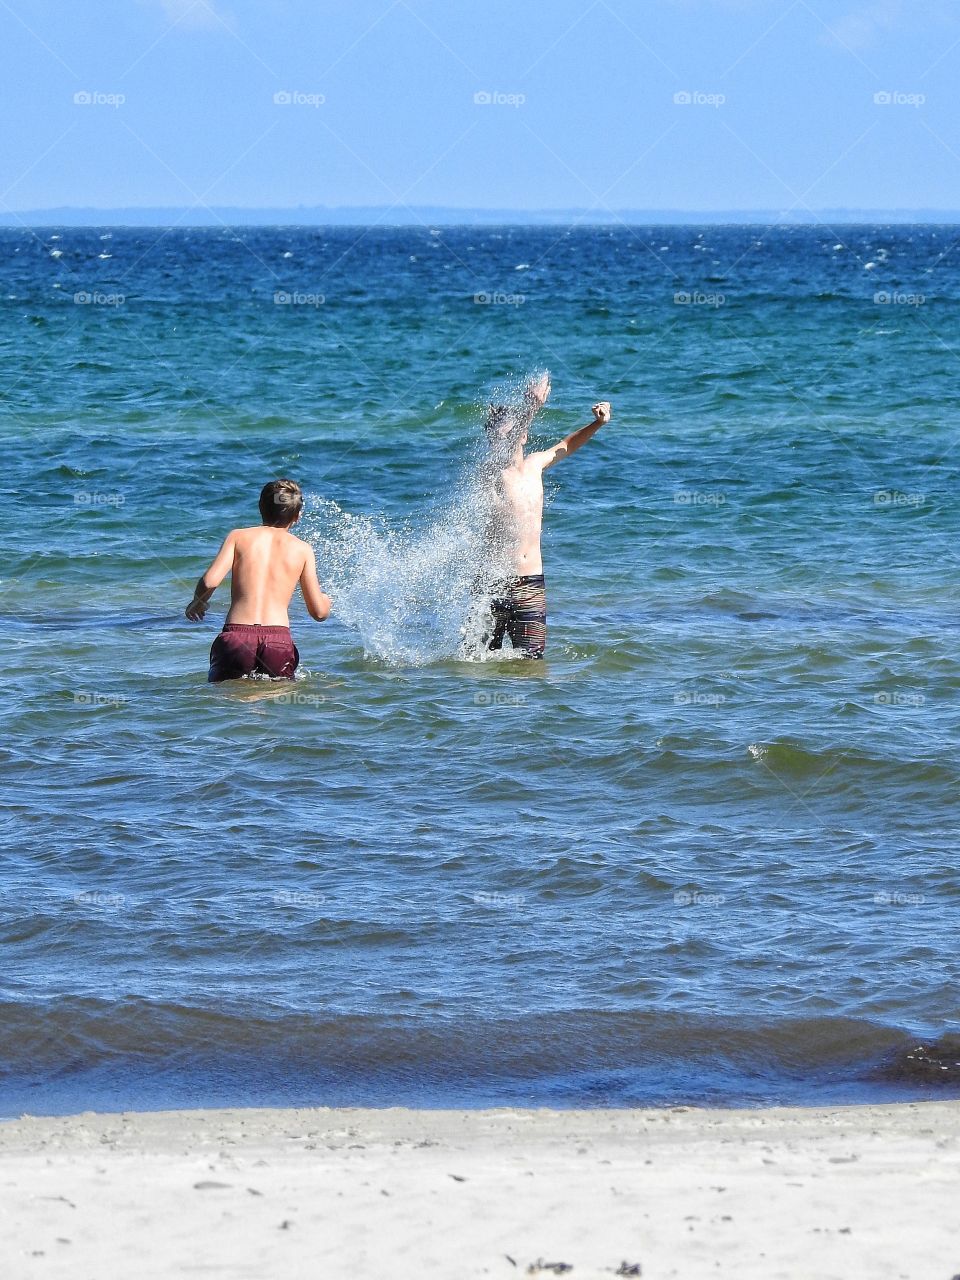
(581, 106)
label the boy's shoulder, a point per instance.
(262, 530)
(302, 548)
(245, 534)
(253, 532)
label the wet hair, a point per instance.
(281, 502)
(500, 422)
(505, 424)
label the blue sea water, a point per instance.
(707, 851)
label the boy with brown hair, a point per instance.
(265, 563)
(518, 607)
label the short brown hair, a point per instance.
(281, 502)
(506, 423)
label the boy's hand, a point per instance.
(602, 412)
(539, 390)
(197, 607)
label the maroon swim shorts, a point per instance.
(244, 649)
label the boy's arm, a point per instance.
(317, 601)
(571, 443)
(208, 583)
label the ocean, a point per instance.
(706, 852)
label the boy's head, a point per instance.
(505, 427)
(508, 424)
(281, 503)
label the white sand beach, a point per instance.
(865, 1191)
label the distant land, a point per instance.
(439, 215)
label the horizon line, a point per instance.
(321, 215)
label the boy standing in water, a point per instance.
(519, 605)
(266, 563)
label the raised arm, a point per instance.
(571, 443)
(208, 583)
(317, 601)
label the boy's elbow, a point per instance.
(321, 611)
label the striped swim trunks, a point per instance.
(519, 609)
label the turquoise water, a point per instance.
(706, 851)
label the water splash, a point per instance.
(419, 590)
(408, 591)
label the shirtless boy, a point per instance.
(266, 563)
(519, 606)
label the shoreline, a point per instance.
(805, 1192)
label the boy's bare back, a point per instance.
(267, 565)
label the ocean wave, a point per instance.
(570, 1058)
